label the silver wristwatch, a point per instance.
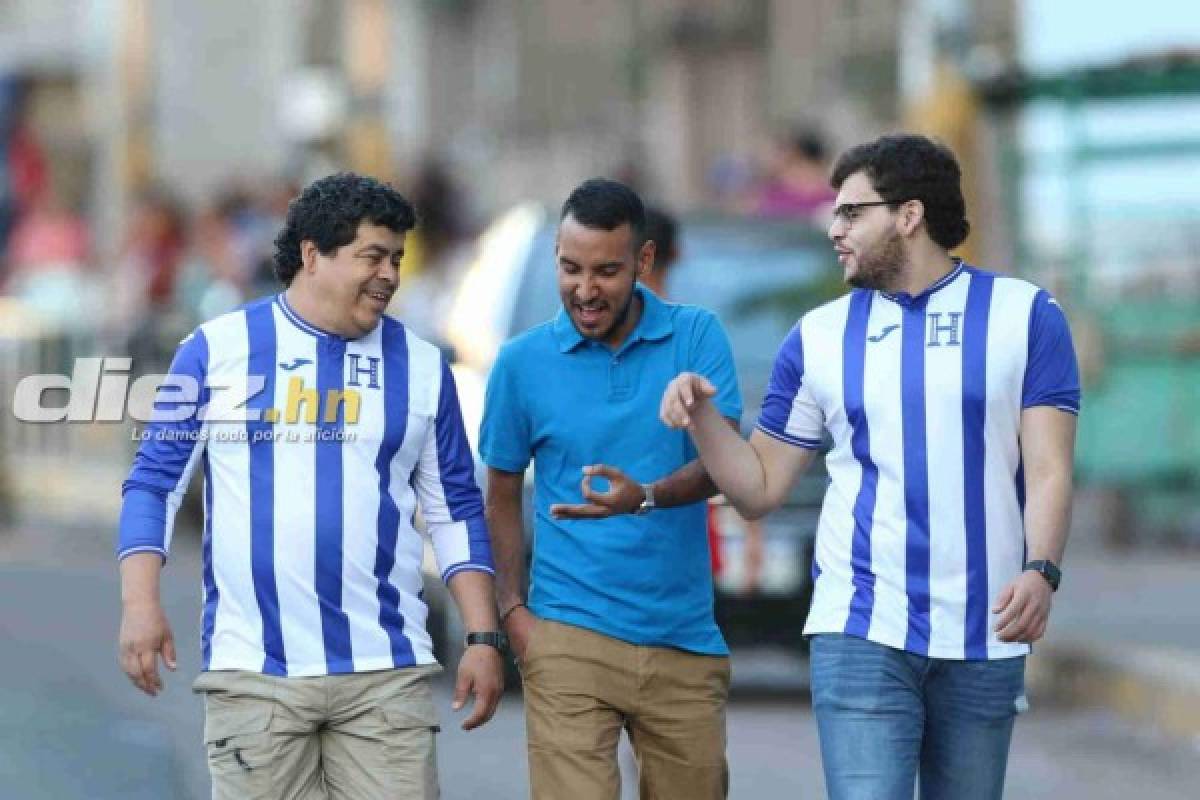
(648, 503)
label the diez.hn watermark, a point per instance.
(100, 390)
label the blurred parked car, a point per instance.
(758, 277)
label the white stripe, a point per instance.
(883, 398)
(944, 454)
(360, 511)
(821, 333)
(237, 628)
(295, 498)
(1008, 322)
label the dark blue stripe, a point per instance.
(260, 321)
(916, 478)
(209, 618)
(335, 624)
(395, 408)
(456, 467)
(858, 621)
(974, 410)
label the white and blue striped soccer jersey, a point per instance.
(922, 524)
(311, 560)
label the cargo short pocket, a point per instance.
(237, 740)
(411, 747)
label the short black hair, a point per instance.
(663, 230)
(907, 166)
(328, 213)
(607, 205)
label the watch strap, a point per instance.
(495, 639)
(1048, 570)
(647, 503)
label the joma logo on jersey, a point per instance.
(943, 333)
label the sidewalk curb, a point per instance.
(1155, 685)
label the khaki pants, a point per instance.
(336, 737)
(582, 687)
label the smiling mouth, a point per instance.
(590, 314)
(379, 295)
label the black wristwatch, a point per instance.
(496, 639)
(1048, 570)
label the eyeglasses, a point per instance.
(849, 212)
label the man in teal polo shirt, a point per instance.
(617, 630)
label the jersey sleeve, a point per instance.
(1051, 371)
(172, 444)
(504, 434)
(789, 411)
(712, 357)
(450, 499)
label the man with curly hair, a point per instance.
(950, 395)
(315, 655)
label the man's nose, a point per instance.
(837, 229)
(389, 271)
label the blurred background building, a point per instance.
(150, 146)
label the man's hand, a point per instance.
(480, 672)
(624, 495)
(518, 626)
(145, 635)
(1024, 608)
(680, 398)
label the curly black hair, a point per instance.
(908, 166)
(328, 213)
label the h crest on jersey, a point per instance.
(939, 329)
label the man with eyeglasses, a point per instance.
(950, 394)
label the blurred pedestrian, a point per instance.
(662, 229)
(315, 659)
(796, 186)
(618, 629)
(950, 394)
(151, 258)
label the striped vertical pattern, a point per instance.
(260, 324)
(922, 524)
(974, 411)
(854, 345)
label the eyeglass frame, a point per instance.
(844, 211)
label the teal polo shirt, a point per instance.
(563, 402)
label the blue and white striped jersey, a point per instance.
(311, 558)
(922, 523)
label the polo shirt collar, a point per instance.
(655, 324)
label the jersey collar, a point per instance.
(906, 299)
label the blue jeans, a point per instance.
(886, 717)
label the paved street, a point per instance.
(72, 727)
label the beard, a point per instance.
(618, 319)
(880, 267)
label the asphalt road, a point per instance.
(72, 727)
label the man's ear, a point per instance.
(308, 255)
(645, 258)
(912, 214)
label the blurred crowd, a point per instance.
(179, 263)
